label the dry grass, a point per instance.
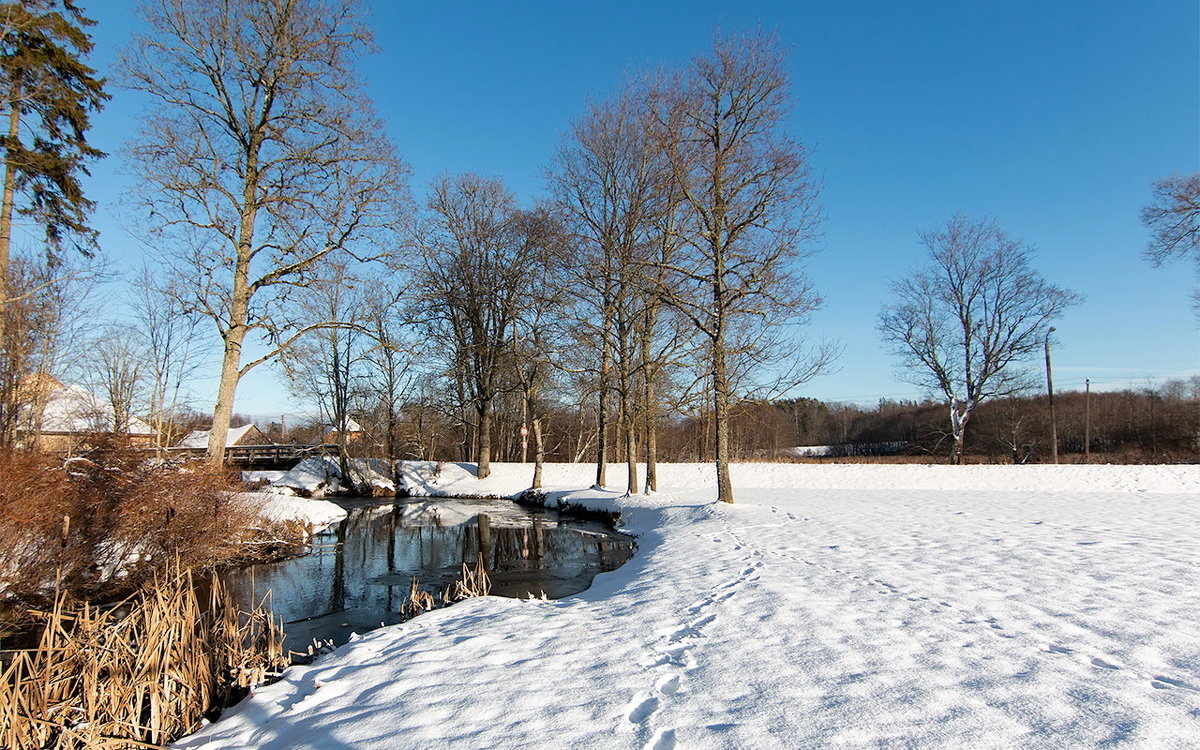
(139, 675)
(472, 583)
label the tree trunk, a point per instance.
(223, 411)
(8, 409)
(602, 422)
(721, 419)
(484, 459)
(538, 454)
(648, 407)
(631, 453)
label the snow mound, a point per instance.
(320, 475)
(309, 511)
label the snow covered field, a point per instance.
(833, 606)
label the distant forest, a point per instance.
(1150, 425)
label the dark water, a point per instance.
(361, 570)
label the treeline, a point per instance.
(1151, 425)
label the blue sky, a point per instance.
(1052, 117)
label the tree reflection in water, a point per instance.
(360, 571)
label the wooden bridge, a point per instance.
(262, 456)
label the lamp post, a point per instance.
(1050, 393)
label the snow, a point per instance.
(278, 507)
(73, 409)
(199, 438)
(318, 474)
(833, 605)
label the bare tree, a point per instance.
(390, 362)
(1173, 218)
(116, 375)
(328, 365)
(963, 325)
(481, 262)
(46, 319)
(606, 179)
(169, 341)
(262, 161)
(751, 206)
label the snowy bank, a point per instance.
(844, 606)
(317, 476)
(311, 512)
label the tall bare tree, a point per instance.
(328, 365)
(606, 178)
(1173, 218)
(262, 161)
(752, 206)
(964, 324)
(482, 261)
(117, 375)
(170, 344)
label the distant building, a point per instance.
(353, 430)
(57, 417)
(245, 435)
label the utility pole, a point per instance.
(1087, 420)
(1050, 393)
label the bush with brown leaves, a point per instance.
(99, 526)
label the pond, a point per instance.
(360, 570)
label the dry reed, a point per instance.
(472, 582)
(141, 674)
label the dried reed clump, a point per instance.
(139, 675)
(472, 582)
(102, 524)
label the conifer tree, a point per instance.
(47, 96)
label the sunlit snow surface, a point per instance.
(836, 606)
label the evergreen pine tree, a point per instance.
(47, 96)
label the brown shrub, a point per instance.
(99, 526)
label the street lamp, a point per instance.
(1050, 393)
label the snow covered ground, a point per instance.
(316, 513)
(833, 606)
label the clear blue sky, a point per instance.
(1052, 117)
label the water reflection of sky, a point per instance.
(361, 570)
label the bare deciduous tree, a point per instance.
(262, 161)
(607, 181)
(1173, 218)
(169, 341)
(117, 374)
(751, 206)
(963, 325)
(482, 261)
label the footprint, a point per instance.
(642, 710)
(669, 685)
(1059, 649)
(663, 740)
(1166, 683)
(1098, 662)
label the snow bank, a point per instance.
(833, 606)
(319, 475)
(309, 511)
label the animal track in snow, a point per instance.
(1098, 662)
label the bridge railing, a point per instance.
(251, 454)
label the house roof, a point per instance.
(350, 425)
(199, 438)
(71, 409)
